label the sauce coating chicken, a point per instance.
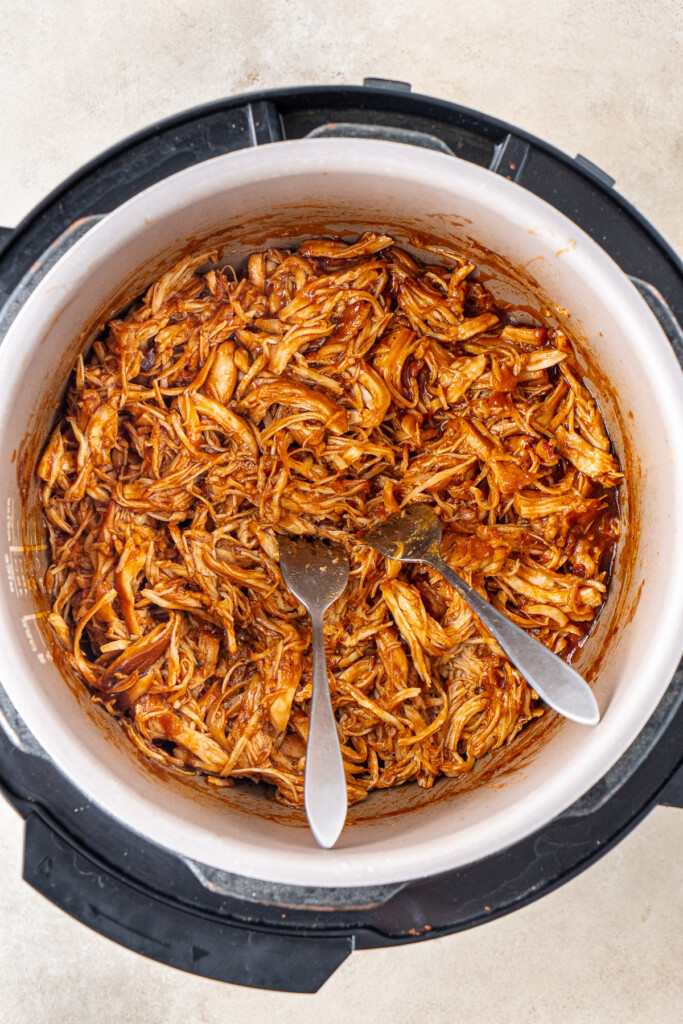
(315, 394)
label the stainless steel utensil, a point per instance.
(317, 573)
(416, 537)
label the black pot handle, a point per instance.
(164, 930)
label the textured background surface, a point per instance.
(602, 78)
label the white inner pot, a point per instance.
(242, 202)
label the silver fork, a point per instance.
(416, 537)
(317, 573)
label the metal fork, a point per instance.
(317, 573)
(416, 537)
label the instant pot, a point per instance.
(246, 897)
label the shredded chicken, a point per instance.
(316, 394)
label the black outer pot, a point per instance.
(283, 937)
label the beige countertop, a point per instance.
(600, 78)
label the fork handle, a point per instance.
(551, 677)
(324, 781)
